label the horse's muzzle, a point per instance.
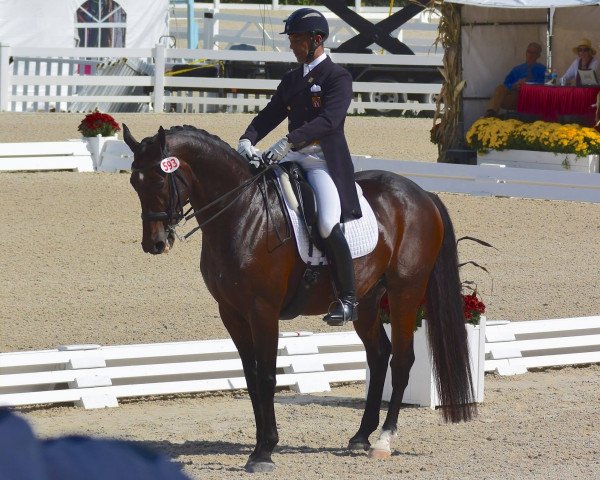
(159, 243)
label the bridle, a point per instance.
(175, 214)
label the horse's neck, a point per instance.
(218, 172)
(220, 182)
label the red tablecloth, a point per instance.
(549, 102)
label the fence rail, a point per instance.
(145, 83)
(95, 376)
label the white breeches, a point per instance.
(329, 209)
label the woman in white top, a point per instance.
(585, 61)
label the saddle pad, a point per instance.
(361, 234)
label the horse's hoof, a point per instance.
(356, 446)
(259, 467)
(379, 454)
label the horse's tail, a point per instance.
(446, 329)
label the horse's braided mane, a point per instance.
(202, 137)
(196, 131)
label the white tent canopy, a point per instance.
(494, 37)
(526, 3)
(52, 23)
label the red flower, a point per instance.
(473, 307)
(97, 123)
(384, 304)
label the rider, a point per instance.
(315, 98)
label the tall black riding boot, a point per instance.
(342, 270)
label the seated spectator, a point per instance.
(585, 61)
(507, 94)
(24, 456)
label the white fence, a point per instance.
(94, 376)
(29, 88)
(115, 156)
(106, 154)
(516, 346)
(491, 180)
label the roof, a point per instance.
(526, 3)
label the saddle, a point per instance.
(301, 195)
(301, 207)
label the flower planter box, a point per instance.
(109, 154)
(96, 145)
(539, 160)
(421, 389)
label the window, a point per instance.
(101, 23)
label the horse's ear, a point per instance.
(131, 142)
(162, 138)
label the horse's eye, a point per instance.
(158, 182)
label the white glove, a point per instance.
(247, 150)
(277, 151)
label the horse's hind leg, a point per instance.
(377, 347)
(404, 303)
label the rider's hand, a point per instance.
(277, 151)
(247, 150)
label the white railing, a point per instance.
(95, 376)
(24, 89)
(114, 155)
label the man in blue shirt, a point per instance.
(507, 95)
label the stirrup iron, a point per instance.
(341, 312)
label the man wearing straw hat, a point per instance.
(585, 61)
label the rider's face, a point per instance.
(300, 44)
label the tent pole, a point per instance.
(549, 35)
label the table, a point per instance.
(550, 102)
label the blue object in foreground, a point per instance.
(23, 456)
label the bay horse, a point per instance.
(253, 274)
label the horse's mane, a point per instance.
(193, 134)
(200, 139)
(194, 131)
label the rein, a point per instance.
(175, 213)
(195, 213)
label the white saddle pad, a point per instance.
(361, 234)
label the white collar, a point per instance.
(307, 67)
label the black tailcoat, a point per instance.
(315, 116)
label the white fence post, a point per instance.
(208, 30)
(159, 78)
(4, 76)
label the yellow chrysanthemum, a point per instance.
(493, 133)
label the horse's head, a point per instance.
(161, 187)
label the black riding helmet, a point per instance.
(306, 20)
(311, 21)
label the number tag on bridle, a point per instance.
(169, 164)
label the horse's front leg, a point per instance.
(265, 333)
(241, 334)
(256, 341)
